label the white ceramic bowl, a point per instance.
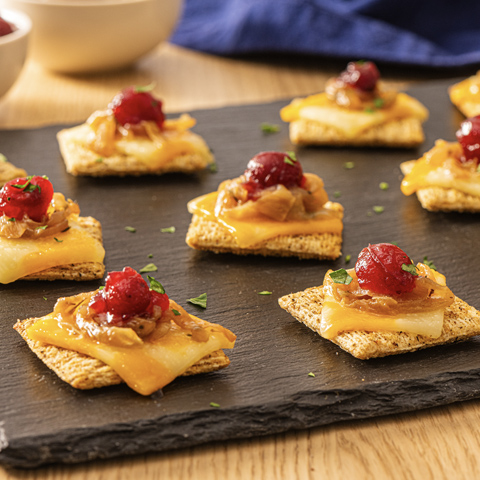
(78, 36)
(13, 48)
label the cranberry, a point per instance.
(5, 27)
(361, 75)
(29, 196)
(273, 168)
(468, 135)
(379, 269)
(132, 105)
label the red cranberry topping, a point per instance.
(126, 294)
(361, 75)
(132, 105)
(379, 269)
(468, 135)
(29, 196)
(273, 168)
(5, 27)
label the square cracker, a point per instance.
(440, 199)
(204, 234)
(405, 133)
(85, 372)
(80, 160)
(8, 171)
(76, 271)
(461, 321)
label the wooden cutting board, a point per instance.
(266, 389)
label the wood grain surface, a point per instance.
(439, 443)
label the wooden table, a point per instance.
(440, 443)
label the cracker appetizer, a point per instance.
(272, 209)
(386, 305)
(42, 236)
(446, 178)
(133, 137)
(128, 332)
(356, 109)
(8, 171)
(465, 95)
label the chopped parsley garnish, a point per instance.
(348, 258)
(379, 102)
(144, 88)
(131, 229)
(43, 227)
(3, 158)
(349, 165)
(58, 240)
(288, 161)
(28, 187)
(215, 405)
(369, 110)
(429, 263)
(337, 194)
(378, 209)
(201, 300)
(45, 298)
(101, 287)
(384, 186)
(410, 268)
(341, 276)
(311, 374)
(176, 312)
(168, 230)
(155, 285)
(150, 255)
(99, 160)
(12, 219)
(151, 267)
(265, 292)
(292, 155)
(269, 127)
(213, 167)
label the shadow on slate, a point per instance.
(266, 389)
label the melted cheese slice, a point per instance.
(146, 367)
(439, 168)
(350, 123)
(337, 319)
(22, 256)
(260, 228)
(155, 154)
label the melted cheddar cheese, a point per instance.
(23, 256)
(439, 167)
(259, 228)
(337, 318)
(350, 122)
(145, 365)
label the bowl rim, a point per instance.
(22, 22)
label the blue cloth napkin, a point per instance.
(432, 33)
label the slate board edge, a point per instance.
(306, 410)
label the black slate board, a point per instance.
(266, 389)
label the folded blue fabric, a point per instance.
(432, 33)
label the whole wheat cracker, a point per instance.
(8, 171)
(208, 235)
(76, 271)
(84, 372)
(404, 133)
(80, 160)
(436, 199)
(461, 321)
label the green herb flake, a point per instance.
(348, 258)
(214, 405)
(176, 312)
(131, 229)
(99, 160)
(384, 186)
(155, 285)
(292, 155)
(45, 298)
(151, 267)
(268, 128)
(144, 88)
(288, 161)
(150, 255)
(429, 263)
(43, 227)
(12, 219)
(101, 287)
(369, 110)
(379, 102)
(213, 167)
(3, 158)
(337, 194)
(168, 230)
(311, 374)
(57, 240)
(378, 209)
(410, 268)
(349, 165)
(265, 292)
(341, 276)
(200, 301)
